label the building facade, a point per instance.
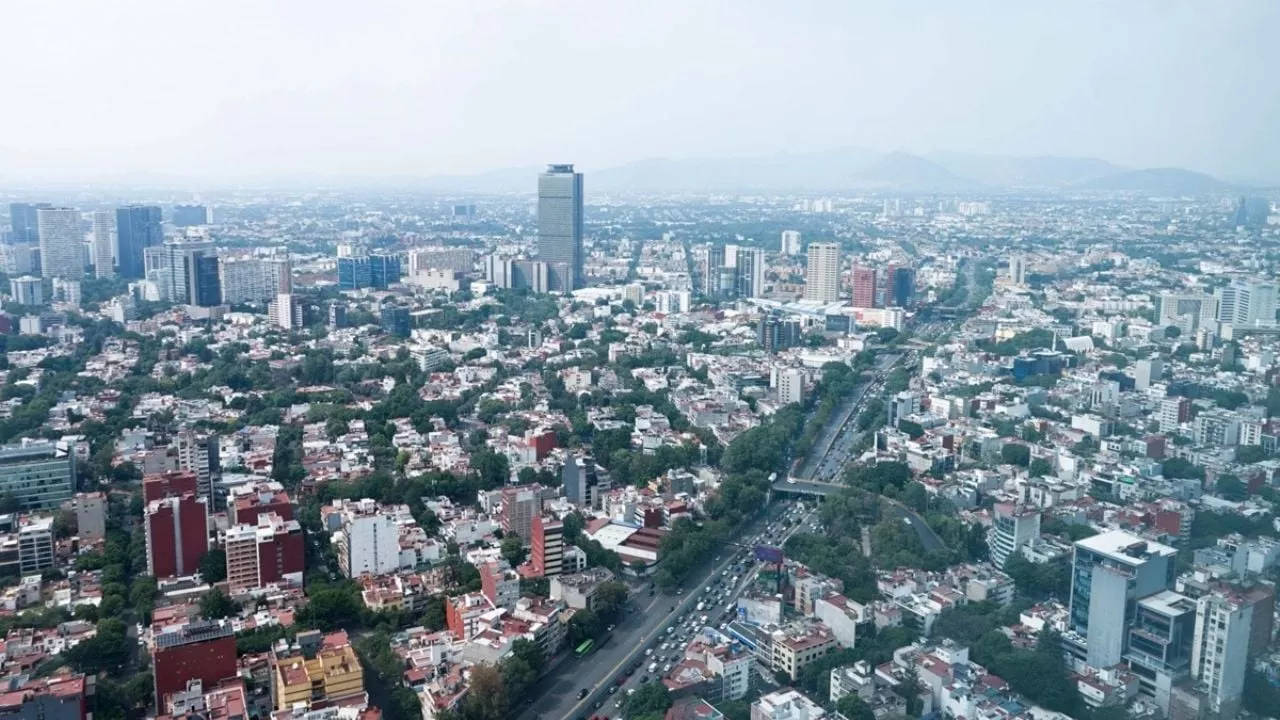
(560, 226)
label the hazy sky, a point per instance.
(254, 88)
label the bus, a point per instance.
(585, 648)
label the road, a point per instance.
(558, 692)
(611, 705)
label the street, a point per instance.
(598, 672)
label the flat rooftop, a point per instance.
(1125, 548)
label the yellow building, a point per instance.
(317, 671)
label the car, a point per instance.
(609, 629)
(582, 693)
(613, 689)
(644, 679)
(621, 679)
(679, 591)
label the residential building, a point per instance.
(1013, 527)
(796, 647)
(1017, 270)
(38, 474)
(1174, 411)
(253, 279)
(1145, 372)
(286, 311)
(520, 505)
(1216, 427)
(246, 502)
(560, 226)
(790, 242)
(177, 535)
(547, 554)
(714, 269)
(61, 243)
(35, 544)
(1220, 653)
(578, 590)
(1247, 304)
(60, 697)
(1159, 642)
(137, 228)
(368, 541)
(500, 584)
(318, 671)
(268, 552)
(787, 704)
(27, 290)
(790, 386)
(822, 280)
(198, 452)
(91, 515)
(581, 480)
(203, 650)
(1114, 570)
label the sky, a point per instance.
(245, 89)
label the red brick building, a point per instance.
(177, 532)
(203, 650)
(864, 286)
(170, 484)
(246, 504)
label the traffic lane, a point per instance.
(594, 675)
(558, 693)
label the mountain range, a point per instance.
(854, 168)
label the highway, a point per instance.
(557, 694)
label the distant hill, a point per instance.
(817, 171)
(1042, 171)
(904, 171)
(845, 170)
(1159, 181)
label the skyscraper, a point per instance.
(899, 286)
(822, 283)
(190, 215)
(1017, 270)
(61, 243)
(25, 222)
(359, 271)
(191, 274)
(750, 273)
(1247, 304)
(712, 267)
(864, 286)
(790, 242)
(104, 244)
(137, 228)
(560, 226)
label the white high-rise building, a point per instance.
(750, 267)
(1245, 304)
(1147, 371)
(1220, 651)
(27, 290)
(822, 283)
(369, 541)
(61, 243)
(790, 242)
(286, 311)
(104, 244)
(1111, 571)
(1017, 270)
(790, 386)
(251, 279)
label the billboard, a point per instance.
(766, 553)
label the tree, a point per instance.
(1016, 454)
(513, 550)
(609, 599)
(652, 699)
(1040, 467)
(1230, 487)
(213, 566)
(215, 605)
(853, 708)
